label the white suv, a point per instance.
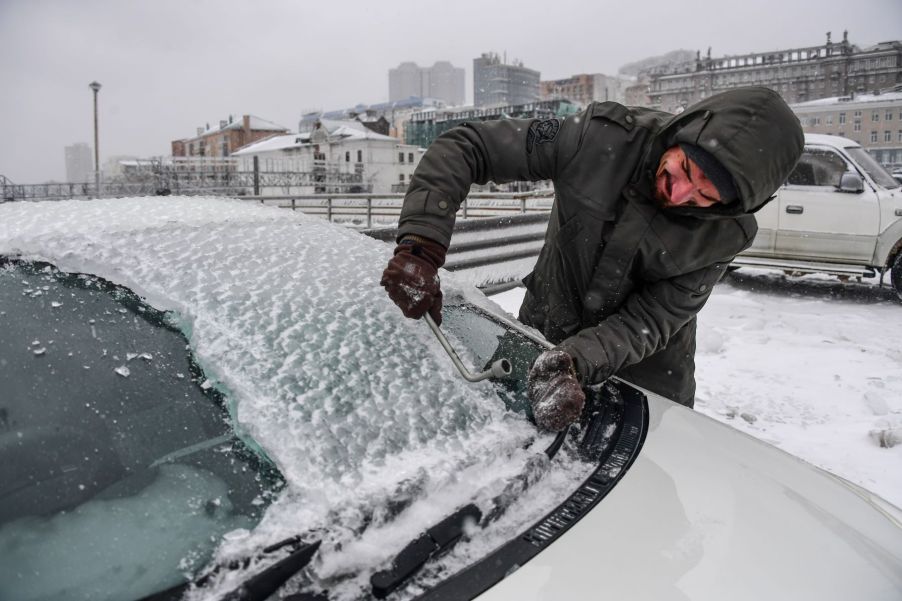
(840, 212)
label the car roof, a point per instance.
(828, 140)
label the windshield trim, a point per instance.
(494, 567)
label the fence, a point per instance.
(369, 210)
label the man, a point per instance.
(650, 208)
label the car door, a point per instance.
(819, 221)
(768, 218)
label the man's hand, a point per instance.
(411, 277)
(554, 392)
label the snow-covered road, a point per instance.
(810, 365)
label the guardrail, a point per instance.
(365, 210)
(491, 241)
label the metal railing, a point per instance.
(366, 210)
(492, 239)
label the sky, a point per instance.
(169, 66)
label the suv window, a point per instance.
(818, 167)
(120, 470)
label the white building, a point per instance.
(116, 166)
(337, 155)
(79, 163)
(872, 120)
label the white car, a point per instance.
(839, 212)
(343, 456)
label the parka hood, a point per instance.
(751, 131)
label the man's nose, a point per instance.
(681, 192)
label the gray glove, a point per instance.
(554, 392)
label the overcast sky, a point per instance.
(169, 66)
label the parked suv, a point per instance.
(840, 212)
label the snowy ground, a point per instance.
(810, 365)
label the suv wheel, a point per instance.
(896, 275)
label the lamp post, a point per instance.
(96, 87)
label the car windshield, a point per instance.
(120, 468)
(877, 171)
(376, 434)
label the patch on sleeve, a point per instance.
(541, 132)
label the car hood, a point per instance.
(707, 512)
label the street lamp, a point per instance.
(96, 87)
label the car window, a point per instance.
(121, 471)
(818, 167)
(877, 172)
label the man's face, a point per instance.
(679, 182)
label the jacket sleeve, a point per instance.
(643, 325)
(501, 151)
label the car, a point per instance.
(897, 174)
(839, 213)
(207, 398)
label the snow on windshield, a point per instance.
(284, 312)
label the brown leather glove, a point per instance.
(555, 394)
(411, 277)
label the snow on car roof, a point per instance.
(285, 314)
(828, 140)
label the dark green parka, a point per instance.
(619, 280)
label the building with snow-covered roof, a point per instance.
(229, 136)
(396, 113)
(798, 74)
(343, 156)
(872, 120)
(583, 89)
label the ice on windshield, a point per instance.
(100, 401)
(285, 314)
(163, 526)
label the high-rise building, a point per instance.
(797, 74)
(495, 82)
(405, 81)
(442, 81)
(79, 163)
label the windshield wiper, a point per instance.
(442, 537)
(263, 584)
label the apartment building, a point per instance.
(584, 89)
(797, 74)
(229, 136)
(872, 120)
(442, 81)
(498, 83)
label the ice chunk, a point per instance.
(123, 371)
